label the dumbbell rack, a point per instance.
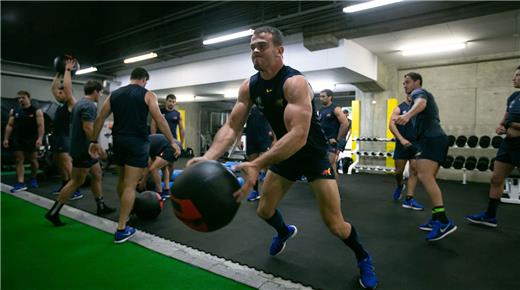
(455, 144)
(371, 154)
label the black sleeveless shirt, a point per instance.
(268, 95)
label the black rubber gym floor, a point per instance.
(473, 257)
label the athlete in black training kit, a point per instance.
(508, 156)
(432, 149)
(27, 127)
(285, 97)
(130, 105)
(259, 138)
(405, 151)
(82, 127)
(335, 126)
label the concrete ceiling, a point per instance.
(486, 35)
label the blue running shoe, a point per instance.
(34, 183)
(77, 195)
(367, 274)
(165, 194)
(428, 226)
(412, 204)
(397, 192)
(482, 219)
(121, 237)
(440, 230)
(254, 195)
(278, 243)
(18, 187)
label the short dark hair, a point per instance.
(139, 73)
(277, 34)
(26, 93)
(518, 67)
(414, 76)
(171, 96)
(328, 92)
(92, 86)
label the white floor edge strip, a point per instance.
(220, 266)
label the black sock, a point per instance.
(353, 243)
(439, 213)
(55, 209)
(409, 197)
(255, 187)
(99, 201)
(53, 215)
(492, 207)
(276, 221)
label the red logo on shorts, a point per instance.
(327, 172)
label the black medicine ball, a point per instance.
(202, 196)
(59, 64)
(148, 205)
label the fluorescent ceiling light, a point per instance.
(228, 37)
(368, 5)
(433, 49)
(86, 70)
(140, 57)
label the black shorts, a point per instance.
(509, 151)
(83, 161)
(168, 153)
(60, 144)
(27, 145)
(253, 146)
(433, 148)
(312, 166)
(131, 150)
(403, 153)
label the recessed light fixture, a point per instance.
(433, 49)
(86, 70)
(228, 37)
(368, 5)
(140, 57)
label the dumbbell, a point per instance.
(458, 163)
(451, 140)
(448, 161)
(461, 141)
(492, 164)
(496, 141)
(389, 154)
(472, 141)
(373, 153)
(483, 164)
(471, 163)
(484, 141)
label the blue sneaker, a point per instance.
(165, 194)
(121, 237)
(412, 204)
(278, 243)
(254, 195)
(482, 219)
(77, 195)
(18, 187)
(34, 183)
(367, 274)
(428, 226)
(397, 192)
(440, 230)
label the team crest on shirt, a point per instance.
(267, 90)
(327, 172)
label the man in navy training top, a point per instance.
(432, 149)
(259, 138)
(174, 119)
(82, 127)
(335, 126)
(285, 97)
(508, 156)
(26, 126)
(60, 139)
(130, 105)
(404, 152)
